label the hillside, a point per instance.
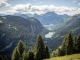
(68, 57)
(15, 28)
(61, 29)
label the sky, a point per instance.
(70, 7)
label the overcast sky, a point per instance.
(69, 7)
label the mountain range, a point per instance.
(46, 18)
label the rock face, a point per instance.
(15, 28)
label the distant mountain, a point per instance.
(22, 15)
(61, 29)
(15, 28)
(50, 18)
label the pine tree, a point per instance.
(78, 44)
(39, 48)
(74, 44)
(20, 48)
(15, 55)
(47, 52)
(69, 44)
(30, 55)
(24, 55)
(18, 51)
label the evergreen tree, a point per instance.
(18, 51)
(78, 44)
(39, 48)
(30, 55)
(20, 48)
(24, 55)
(15, 55)
(69, 44)
(74, 44)
(47, 52)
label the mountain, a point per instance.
(50, 18)
(22, 15)
(15, 28)
(61, 29)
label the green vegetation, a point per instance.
(40, 51)
(69, 46)
(67, 57)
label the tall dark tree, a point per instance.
(75, 44)
(24, 55)
(15, 55)
(47, 52)
(69, 44)
(20, 48)
(78, 44)
(18, 51)
(30, 55)
(39, 48)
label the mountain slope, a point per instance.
(61, 29)
(15, 28)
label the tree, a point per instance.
(75, 44)
(78, 44)
(69, 44)
(47, 52)
(30, 55)
(20, 48)
(15, 55)
(18, 51)
(24, 55)
(39, 48)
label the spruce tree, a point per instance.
(74, 44)
(69, 44)
(18, 51)
(15, 55)
(39, 48)
(20, 48)
(47, 52)
(78, 44)
(30, 55)
(24, 55)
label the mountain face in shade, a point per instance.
(15, 28)
(61, 29)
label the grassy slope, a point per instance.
(68, 57)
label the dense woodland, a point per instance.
(69, 46)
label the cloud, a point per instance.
(3, 3)
(28, 8)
